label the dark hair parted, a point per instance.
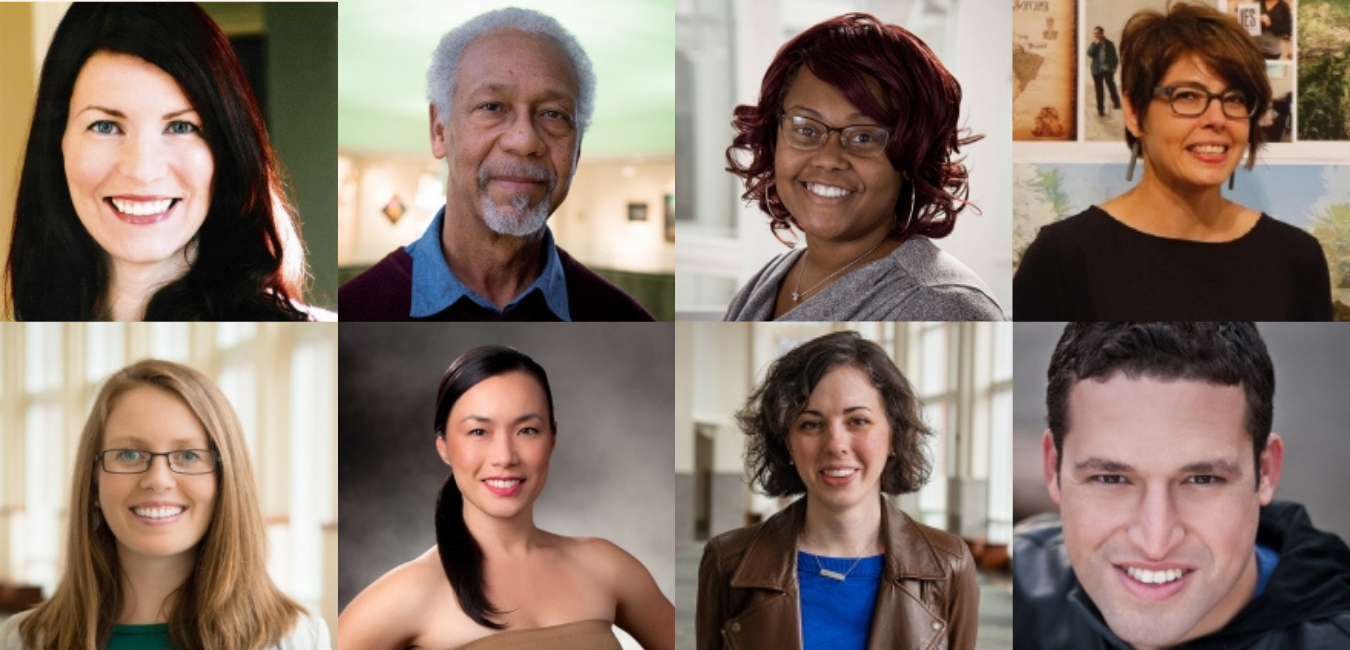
(461, 556)
(1222, 354)
(1153, 41)
(893, 78)
(249, 261)
(769, 412)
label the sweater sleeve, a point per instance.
(1038, 288)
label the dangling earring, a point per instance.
(1134, 157)
(1230, 180)
(913, 199)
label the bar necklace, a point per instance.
(835, 575)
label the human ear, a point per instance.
(1271, 465)
(443, 450)
(438, 146)
(1050, 465)
(1131, 116)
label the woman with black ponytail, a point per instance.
(495, 580)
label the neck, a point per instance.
(502, 536)
(851, 532)
(495, 266)
(149, 585)
(828, 256)
(132, 285)
(1200, 214)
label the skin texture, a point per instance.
(133, 133)
(1179, 195)
(837, 230)
(843, 426)
(155, 558)
(512, 119)
(1194, 507)
(502, 428)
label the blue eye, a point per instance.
(180, 127)
(129, 455)
(104, 127)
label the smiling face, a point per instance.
(1159, 503)
(138, 168)
(841, 440)
(498, 440)
(512, 142)
(156, 514)
(832, 195)
(1189, 153)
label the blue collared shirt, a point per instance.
(435, 287)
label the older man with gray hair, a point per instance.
(511, 94)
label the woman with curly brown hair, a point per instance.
(840, 568)
(869, 203)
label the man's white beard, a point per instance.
(518, 220)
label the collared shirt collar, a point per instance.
(435, 287)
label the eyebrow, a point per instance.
(1218, 467)
(846, 411)
(1096, 464)
(134, 440)
(116, 113)
(853, 116)
(1190, 83)
(484, 418)
(548, 94)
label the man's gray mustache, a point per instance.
(519, 172)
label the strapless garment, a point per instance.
(581, 635)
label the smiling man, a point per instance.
(1160, 455)
(511, 94)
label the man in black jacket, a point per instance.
(1167, 535)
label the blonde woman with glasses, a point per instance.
(165, 546)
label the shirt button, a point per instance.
(937, 625)
(735, 628)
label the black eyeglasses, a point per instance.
(137, 461)
(807, 134)
(1188, 101)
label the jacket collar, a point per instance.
(771, 558)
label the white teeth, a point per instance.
(1209, 148)
(141, 208)
(161, 512)
(1155, 577)
(827, 191)
(504, 484)
(839, 473)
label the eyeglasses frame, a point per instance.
(1166, 92)
(99, 459)
(829, 130)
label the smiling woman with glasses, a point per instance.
(164, 553)
(854, 143)
(1173, 247)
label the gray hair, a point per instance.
(445, 60)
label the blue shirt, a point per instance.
(1266, 559)
(837, 615)
(435, 287)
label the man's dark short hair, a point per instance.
(768, 414)
(1221, 354)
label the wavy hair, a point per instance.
(461, 556)
(228, 602)
(919, 101)
(768, 414)
(249, 260)
(1153, 41)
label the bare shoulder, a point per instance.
(598, 555)
(393, 610)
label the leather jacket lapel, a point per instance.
(771, 618)
(900, 611)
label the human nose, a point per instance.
(830, 154)
(522, 136)
(1156, 528)
(1214, 112)
(159, 476)
(503, 450)
(144, 158)
(838, 438)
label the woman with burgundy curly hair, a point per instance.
(869, 202)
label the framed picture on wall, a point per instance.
(637, 211)
(670, 217)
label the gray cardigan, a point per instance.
(916, 282)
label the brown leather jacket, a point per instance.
(747, 587)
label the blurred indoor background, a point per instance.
(281, 379)
(1311, 415)
(617, 219)
(722, 50)
(289, 51)
(962, 372)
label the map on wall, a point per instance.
(1044, 70)
(1315, 198)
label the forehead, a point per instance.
(1152, 423)
(847, 383)
(506, 394)
(806, 90)
(148, 416)
(125, 77)
(513, 59)
(1191, 68)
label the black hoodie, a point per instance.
(1305, 606)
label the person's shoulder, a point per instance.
(1271, 228)
(10, 639)
(947, 289)
(382, 292)
(309, 633)
(406, 585)
(598, 556)
(591, 297)
(948, 544)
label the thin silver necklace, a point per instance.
(797, 293)
(835, 575)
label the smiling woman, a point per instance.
(149, 188)
(164, 554)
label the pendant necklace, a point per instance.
(797, 293)
(835, 575)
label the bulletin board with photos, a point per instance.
(1069, 148)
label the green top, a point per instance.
(140, 637)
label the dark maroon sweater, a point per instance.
(384, 293)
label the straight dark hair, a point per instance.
(249, 260)
(461, 556)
